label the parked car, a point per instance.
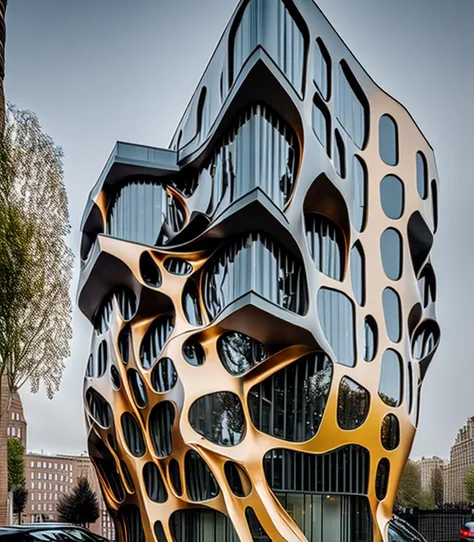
(467, 532)
(51, 532)
(401, 531)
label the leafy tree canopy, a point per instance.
(81, 507)
(16, 464)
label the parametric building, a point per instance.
(262, 298)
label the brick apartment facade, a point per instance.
(427, 466)
(48, 477)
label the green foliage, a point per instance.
(469, 484)
(16, 464)
(426, 500)
(409, 490)
(20, 498)
(437, 486)
(81, 507)
(35, 262)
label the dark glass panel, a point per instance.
(138, 388)
(322, 123)
(176, 266)
(352, 106)
(358, 273)
(290, 403)
(401, 531)
(127, 476)
(127, 303)
(160, 427)
(237, 479)
(425, 340)
(421, 175)
(124, 339)
(359, 193)
(391, 249)
(345, 470)
(392, 312)
(155, 339)
(132, 523)
(194, 353)
(391, 376)
(133, 435)
(339, 155)
(203, 120)
(154, 485)
(239, 353)
(115, 377)
(191, 305)
(107, 467)
(326, 245)
(193, 525)
(200, 482)
(260, 151)
(164, 376)
(269, 24)
(381, 480)
(420, 240)
(409, 388)
(353, 404)
(434, 203)
(427, 285)
(254, 263)
(256, 529)
(101, 367)
(390, 432)
(99, 409)
(219, 418)
(150, 271)
(90, 367)
(392, 196)
(159, 532)
(104, 315)
(336, 315)
(388, 140)
(322, 69)
(371, 338)
(175, 476)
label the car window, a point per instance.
(52, 536)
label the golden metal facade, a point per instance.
(282, 169)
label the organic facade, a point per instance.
(262, 298)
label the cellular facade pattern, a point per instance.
(262, 298)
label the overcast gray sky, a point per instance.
(97, 71)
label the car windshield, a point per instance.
(401, 531)
(68, 535)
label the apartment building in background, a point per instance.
(461, 458)
(427, 467)
(16, 425)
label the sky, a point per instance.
(98, 71)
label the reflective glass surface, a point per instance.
(388, 140)
(392, 196)
(391, 250)
(392, 313)
(352, 112)
(390, 385)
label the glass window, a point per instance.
(203, 121)
(322, 123)
(339, 155)
(427, 286)
(392, 313)
(138, 388)
(336, 315)
(164, 376)
(240, 353)
(219, 418)
(352, 106)
(99, 409)
(133, 435)
(322, 69)
(388, 140)
(391, 249)
(191, 306)
(237, 479)
(194, 353)
(150, 271)
(154, 485)
(390, 434)
(269, 24)
(194, 525)
(420, 240)
(177, 266)
(390, 385)
(290, 404)
(326, 245)
(359, 189)
(256, 529)
(200, 482)
(425, 340)
(155, 339)
(160, 426)
(254, 263)
(370, 338)
(353, 404)
(358, 273)
(421, 175)
(381, 480)
(392, 196)
(434, 202)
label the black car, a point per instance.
(467, 532)
(401, 531)
(51, 532)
